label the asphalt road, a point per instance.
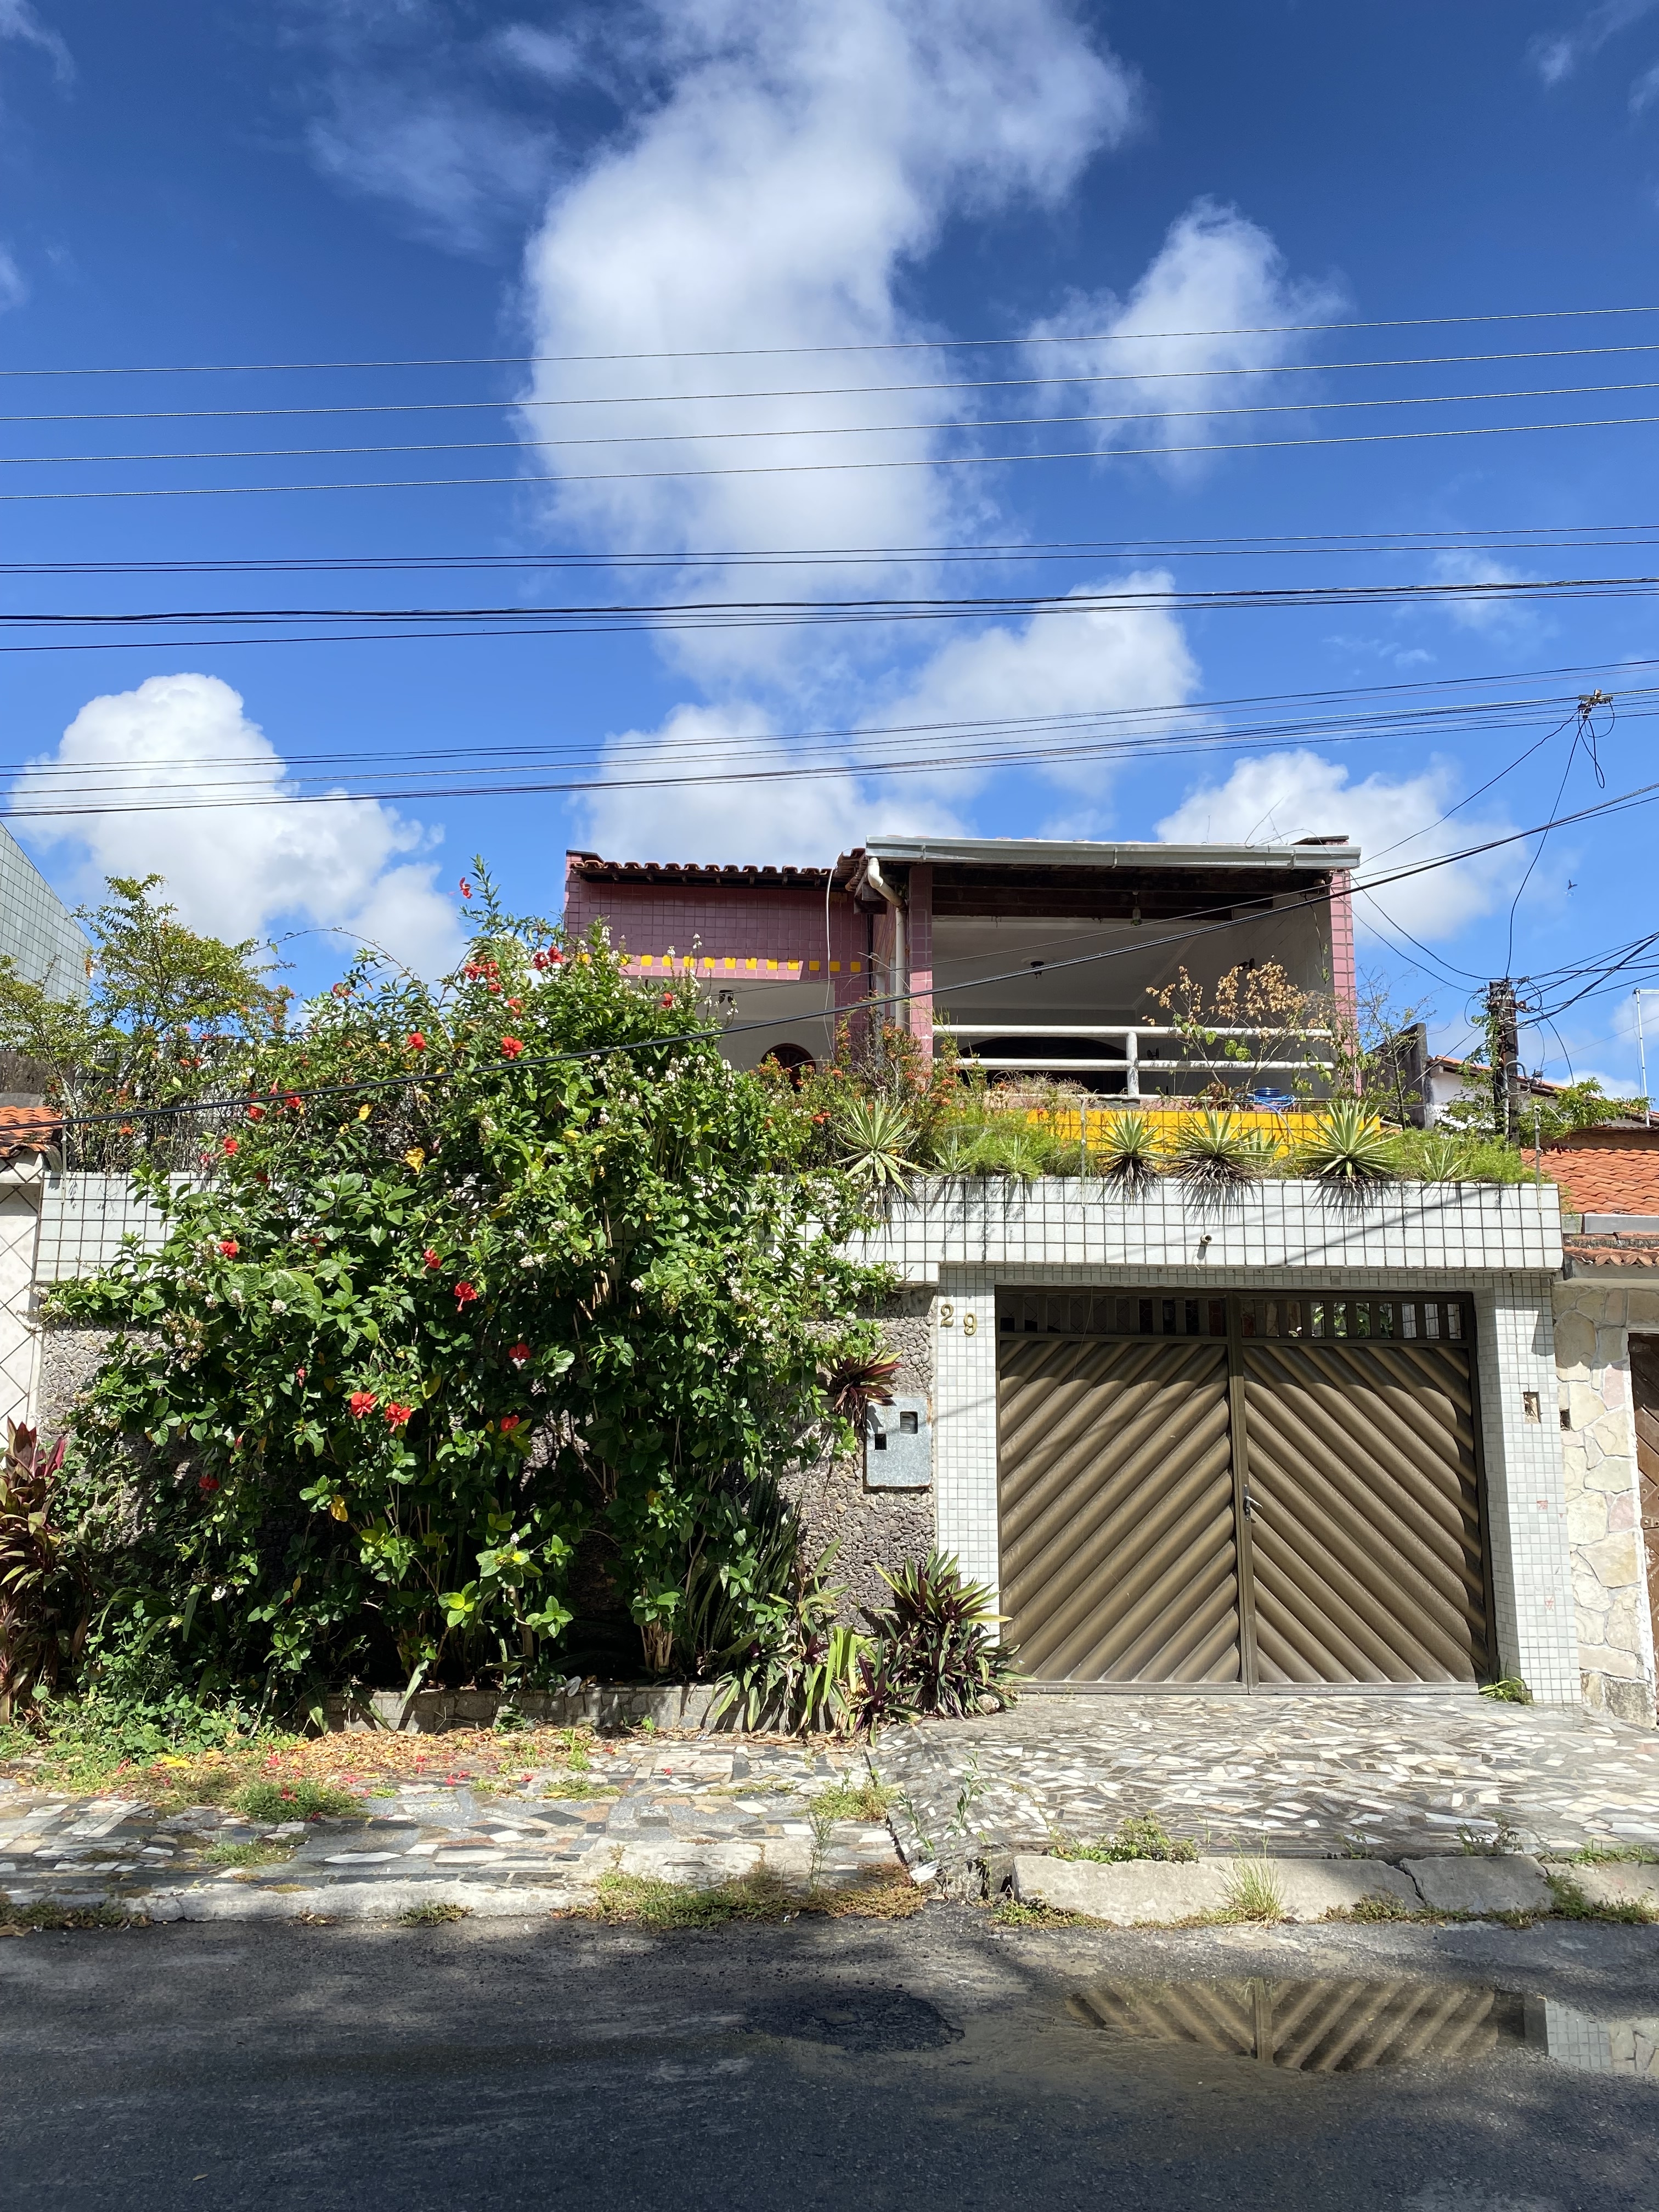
(932, 2063)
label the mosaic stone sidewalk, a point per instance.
(694, 1812)
(1392, 1776)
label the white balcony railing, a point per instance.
(1132, 1063)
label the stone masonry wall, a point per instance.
(1592, 1359)
(874, 1528)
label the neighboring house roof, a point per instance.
(25, 1129)
(1476, 1072)
(1614, 1169)
(1623, 1248)
(706, 875)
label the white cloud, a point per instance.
(1644, 91)
(14, 286)
(235, 871)
(801, 161)
(1556, 54)
(19, 20)
(1487, 615)
(1057, 664)
(1276, 798)
(792, 821)
(453, 163)
(1216, 273)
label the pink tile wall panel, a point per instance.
(1344, 982)
(783, 926)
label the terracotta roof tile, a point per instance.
(27, 1129)
(1606, 1178)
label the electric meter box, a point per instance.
(898, 1446)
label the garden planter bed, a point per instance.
(599, 1705)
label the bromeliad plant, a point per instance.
(934, 1649)
(1129, 1153)
(1214, 1153)
(44, 1590)
(474, 1271)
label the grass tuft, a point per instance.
(865, 1801)
(436, 1915)
(584, 1785)
(1137, 1836)
(247, 1855)
(298, 1800)
(1253, 1892)
(1572, 1904)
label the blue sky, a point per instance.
(386, 181)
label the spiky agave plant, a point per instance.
(1347, 1147)
(1130, 1152)
(876, 1141)
(1215, 1152)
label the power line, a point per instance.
(1047, 380)
(1642, 795)
(1524, 538)
(859, 346)
(823, 430)
(824, 468)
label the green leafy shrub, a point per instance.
(479, 1273)
(1442, 1156)
(934, 1648)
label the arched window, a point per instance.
(794, 1060)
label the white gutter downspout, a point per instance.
(899, 972)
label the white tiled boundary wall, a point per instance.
(1502, 1243)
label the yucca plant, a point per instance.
(876, 1141)
(1215, 1152)
(1347, 1147)
(1129, 1151)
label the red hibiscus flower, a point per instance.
(394, 1414)
(511, 1421)
(517, 1004)
(295, 1103)
(207, 1483)
(518, 1354)
(416, 1042)
(299, 1374)
(464, 1294)
(431, 1258)
(229, 1247)
(230, 1145)
(511, 1048)
(256, 1113)
(362, 1403)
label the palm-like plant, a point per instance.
(876, 1141)
(1128, 1152)
(1347, 1147)
(43, 1591)
(934, 1648)
(1215, 1152)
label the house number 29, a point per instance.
(947, 1315)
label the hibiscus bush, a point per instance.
(477, 1276)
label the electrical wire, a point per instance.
(827, 468)
(858, 346)
(1644, 794)
(819, 430)
(1048, 380)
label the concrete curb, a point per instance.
(1151, 1892)
(1479, 1885)
(1614, 1884)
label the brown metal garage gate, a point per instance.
(1262, 1492)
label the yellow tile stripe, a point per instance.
(717, 963)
